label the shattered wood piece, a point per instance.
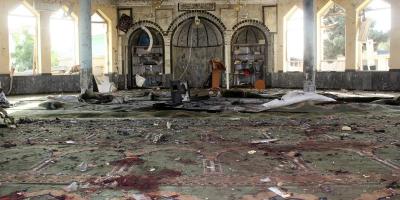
(279, 192)
(83, 167)
(265, 180)
(141, 197)
(212, 167)
(70, 142)
(158, 138)
(265, 141)
(169, 124)
(72, 187)
(252, 152)
(346, 128)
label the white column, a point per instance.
(352, 44)
(85, 45)
(167, 55)
(395, 37)
(228, 37)
(4, 49)
(44, 48)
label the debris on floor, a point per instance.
(295, 97)
(52, 104)
(209, 148)
(4, 103)
(6, 121)
(96, 98)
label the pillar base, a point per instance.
(86, 80)
(350, 70)
(309, 86)
(394, 70)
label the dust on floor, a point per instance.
(348, 152)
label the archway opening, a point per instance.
(146, 57)
(194, 43)
(63, 42)
(22, 32)
(333, 39)
(249, 56)
(294, 40)
(99, 44)
(374, 35)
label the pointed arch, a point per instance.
(254, 36)
(64, 40)
(293, 39)
(374, 30)
(331, 37)
(22, 31)
(100, 43)
(191, 14)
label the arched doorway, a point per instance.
(249, 55)
(146, 56)
(374, 35)
(100, 56)
(22, 27)
(63, 41)
(294, 40)
(195, 41)
(332, 38)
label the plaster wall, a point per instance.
(43, 30)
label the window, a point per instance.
(22, 40)
(332, 39)
(295, 40)
(99, 44)
(63, 42)
(374, 34)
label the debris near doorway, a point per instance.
(392, 102)
(104, 85)
(76, 69)
(64, 98)
(4, 103)
(295, 97)
(243, 94)
(94, 98)
(6, 120)
(140, 80)
(52, 105)
(180, 92)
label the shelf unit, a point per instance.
(148, 64)
(248, 63)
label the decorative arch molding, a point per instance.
(268, 37)
(365, 3)
(127, 42)
(103, 15)
(201, 14)
(13, 5)
(254, 23)
(145, 23)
